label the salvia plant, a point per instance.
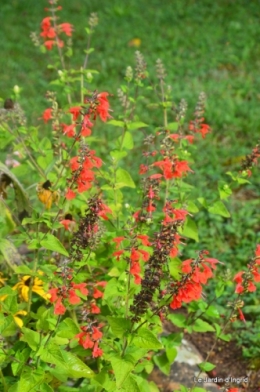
(92, 251)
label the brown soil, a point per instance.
(226, 356)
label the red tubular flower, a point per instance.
(144, 239)
(103, 107)
(97, 293)
(68, 130)
(59, 308)
(47, 115)
(94, 308)
(70, 194)
(75, 111)
(117, 254)
(67, 28)
(81, 287)
(96, 334)
(73, 298)
(97, 352)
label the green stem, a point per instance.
(35, 265)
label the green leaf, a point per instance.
(104, 380)
(10, 253)
(219, 208)
(52, 243)
(192, 208)
(190, 229)
(136, 125)
(23, 270)
(163, 363)
(128, 142)
(130, 384)
(171, 353)
(123, 179)
(32, 338)
(146, 339)
(67, 329)
(22, 357)
(122, 368)
(202, 326)
(72, 366)
(116, 123)
(119, 325)
(206, 366)
(29, 381)
(224, 190)
(178, 319)
(117, 155)
(173, 126)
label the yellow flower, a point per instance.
(17, 319)
(24, 286)
(46, 195)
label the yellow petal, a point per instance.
(21, 312)
(18, 321)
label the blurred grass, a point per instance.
(204, 45)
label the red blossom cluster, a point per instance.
(50, 31)
(196, 273)
(58, 295)
(69, 292)
(89, 338)
(198, 127)
(136, 255)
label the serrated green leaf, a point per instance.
(117, 155)
(219, 208)
(123, 179)
(52, 243)
(178, 319)
(130, 384)
(119, 325)
(163, 363)
(67, 329)
(146, 339)
(122, 368)
(32, 338)
(190, 229)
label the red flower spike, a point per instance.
(68, 130)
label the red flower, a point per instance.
(94, 308)
(68, 130)
(143, 169)
(97, 293)
(73, 298)
(59, 308)
(53, 292)
(144, 239)
(47, 115)
(81, 287)
(70, 194)
(96, 334)
(49, 44)
(117, 254)
(97, 352)
(103, 107)
(75, 111)
(67, 28)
